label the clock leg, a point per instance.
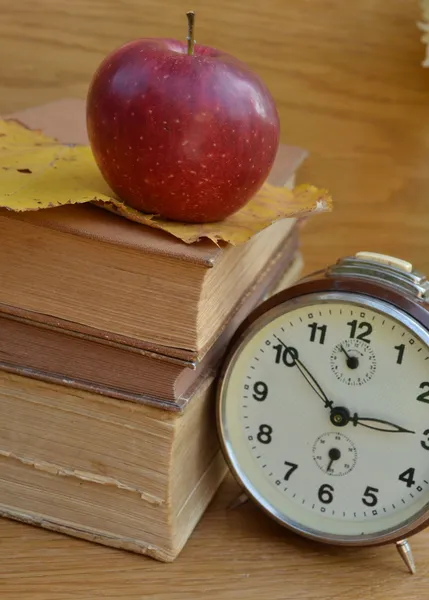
(238, 501)
(404, 550)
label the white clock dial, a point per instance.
(332, 452)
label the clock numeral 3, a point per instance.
(288, 355)
(369, 498)
(425, 443)
(424, 397)
(264, 434)
(408, 477)
(260, 391)
(325, 494)
(366, 327)
(289, 472)
(315, 327)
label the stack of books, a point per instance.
(111, 336)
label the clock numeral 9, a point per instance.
(260, 391)
(424, 396)
(264, 434)
(325, 494)
(288, 355)
(369, 498)
(366, 327)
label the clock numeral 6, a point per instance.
(264, 434)
(369, 498)
(288, 355)
(260, 391)
(325, 494)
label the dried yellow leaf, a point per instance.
(269, 205)
(37, 172)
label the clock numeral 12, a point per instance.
(316, 327)
(367, 327)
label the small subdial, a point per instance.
(353, 362)
(334, 453)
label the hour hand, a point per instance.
(379, 424)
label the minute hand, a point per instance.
(308, 377)
(379, 424)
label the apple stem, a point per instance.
(190, 38)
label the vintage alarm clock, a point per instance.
(323, 404)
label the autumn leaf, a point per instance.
(268, 206)
(37, 172)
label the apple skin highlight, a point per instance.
(190, 138)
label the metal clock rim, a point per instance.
(260, 317)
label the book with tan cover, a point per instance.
(50, 353)
(114, 472)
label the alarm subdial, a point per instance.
(334, 453)
(353, 362)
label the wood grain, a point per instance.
(349, 85)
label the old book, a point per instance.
(55, 354)
(84, 269)
(115, 472)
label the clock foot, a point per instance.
(404, 550)
(238, 501)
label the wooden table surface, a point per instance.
(350, 87)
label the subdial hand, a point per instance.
(352, 361)
(334, 454)
(307, 375)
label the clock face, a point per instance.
(324, 416)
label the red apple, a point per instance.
(189, 137)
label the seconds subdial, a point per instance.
(334, 453)
(353, 362)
